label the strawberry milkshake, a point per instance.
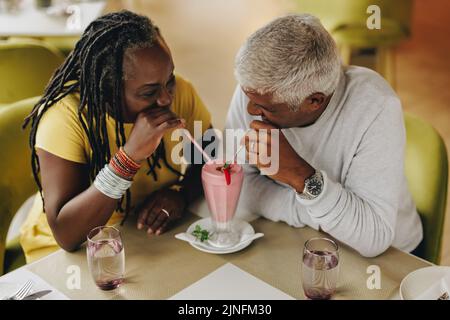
(222, 185)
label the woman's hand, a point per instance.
(160, 209)
(148, 130)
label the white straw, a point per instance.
(241, 147)
(237, 152)
(188, 134)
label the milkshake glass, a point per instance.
(222, 199)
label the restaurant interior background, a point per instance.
(204, 36)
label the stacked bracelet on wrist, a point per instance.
(115, 179)
(123, 165)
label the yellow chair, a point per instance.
(63, 44)
(26, 67)
(16, 179)
(346, 20)
(426, 168)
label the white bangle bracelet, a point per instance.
(110, 184)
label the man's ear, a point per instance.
(316, 100)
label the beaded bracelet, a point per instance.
(123, 165)
(120, 169)
(126, 160)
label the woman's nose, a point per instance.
(165, 98)
(253, 110)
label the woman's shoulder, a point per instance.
(64, 109)
(61, 118)
(60, 131)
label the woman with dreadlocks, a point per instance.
(100, 137)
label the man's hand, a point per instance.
(293, 170)
(159, 210)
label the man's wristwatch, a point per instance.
(313, 186)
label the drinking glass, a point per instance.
(106, 257)
(222, 199)
(320, 268)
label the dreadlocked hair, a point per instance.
(94, 70)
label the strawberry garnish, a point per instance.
(227, 176)
(226, 171)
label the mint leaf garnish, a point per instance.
(201, 234)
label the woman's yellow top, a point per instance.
(61, 133)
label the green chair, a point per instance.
(346, 20)
(26, 67)
(16, 181)
(426, 168)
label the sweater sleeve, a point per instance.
(362, 211)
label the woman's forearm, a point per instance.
(73, 204)
(73, 221)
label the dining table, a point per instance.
(160, 267)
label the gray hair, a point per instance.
(291, 57)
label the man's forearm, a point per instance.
(346, 216)
(365, 224)
(265, 197)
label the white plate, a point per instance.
(241, 227)
(417, 282)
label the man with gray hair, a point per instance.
(341, 144)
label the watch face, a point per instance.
(315, 187)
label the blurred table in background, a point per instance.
(30, 21)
